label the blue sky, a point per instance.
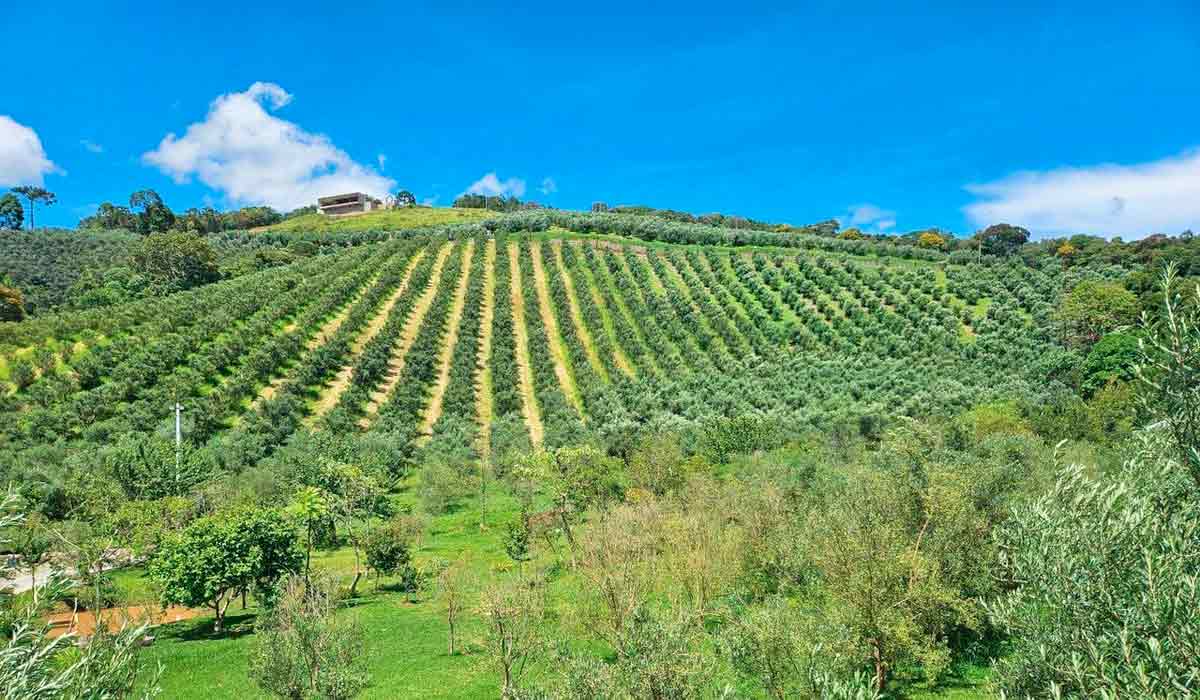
(1058, 116)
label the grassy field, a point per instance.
(388, 219)
(406, 636)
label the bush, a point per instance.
(1105, 592)
(388, 553)
(302, 649)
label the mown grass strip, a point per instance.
(412, 326)
(533, 417)
(329, 397)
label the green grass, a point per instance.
(388, 219)
(406, 653)
(406, 642)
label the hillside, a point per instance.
(586, 336)
(384, 220)
(713, 406)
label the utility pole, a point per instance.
(178, 443)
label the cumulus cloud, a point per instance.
(254, 157)
(869, 213)
(491, 186)
(549, 186)
(90, 146)
(869, 216)
(22, 159)
(1132, 201)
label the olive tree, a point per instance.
(1105, 592)
(31, 662)
(1170, 369)
(303, 649)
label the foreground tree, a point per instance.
(389, 553)
(453, 582)
(303, 649)
(33, 195)
(215, 558)
(32, 663)
(1170, 369)
(1105, 596)
(511, 612)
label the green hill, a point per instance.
(738, 395)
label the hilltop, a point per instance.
(382, 220)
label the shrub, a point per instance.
(1105, 594)
(303, 649)
(388, 553)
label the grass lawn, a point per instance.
(387, 219)
(407, 654)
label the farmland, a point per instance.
(597, 336)
(663, 453)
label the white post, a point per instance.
(178, 442)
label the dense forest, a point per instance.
(620, 454)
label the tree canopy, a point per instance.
(12, 216)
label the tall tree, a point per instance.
(154, 216)
(12, 216)
(34, 194)
(1001, 239)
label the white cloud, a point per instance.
(22, 159)
(1132, 201)
(872, 218)
(869, 213)
(491, 186)
(90, 146)
(253, 157)
(549, 186)
(382, 161)
(429, 201)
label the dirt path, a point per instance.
(83, 622)
(562, 366)
(408, 336)
(528, 399)
(454, 322)
(483, 370)
(585, 336)
(322, 336)
(333, 391)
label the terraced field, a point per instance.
(446, 342)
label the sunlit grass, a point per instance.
(387, 219)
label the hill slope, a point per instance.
(588, 336)
(384, 220)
